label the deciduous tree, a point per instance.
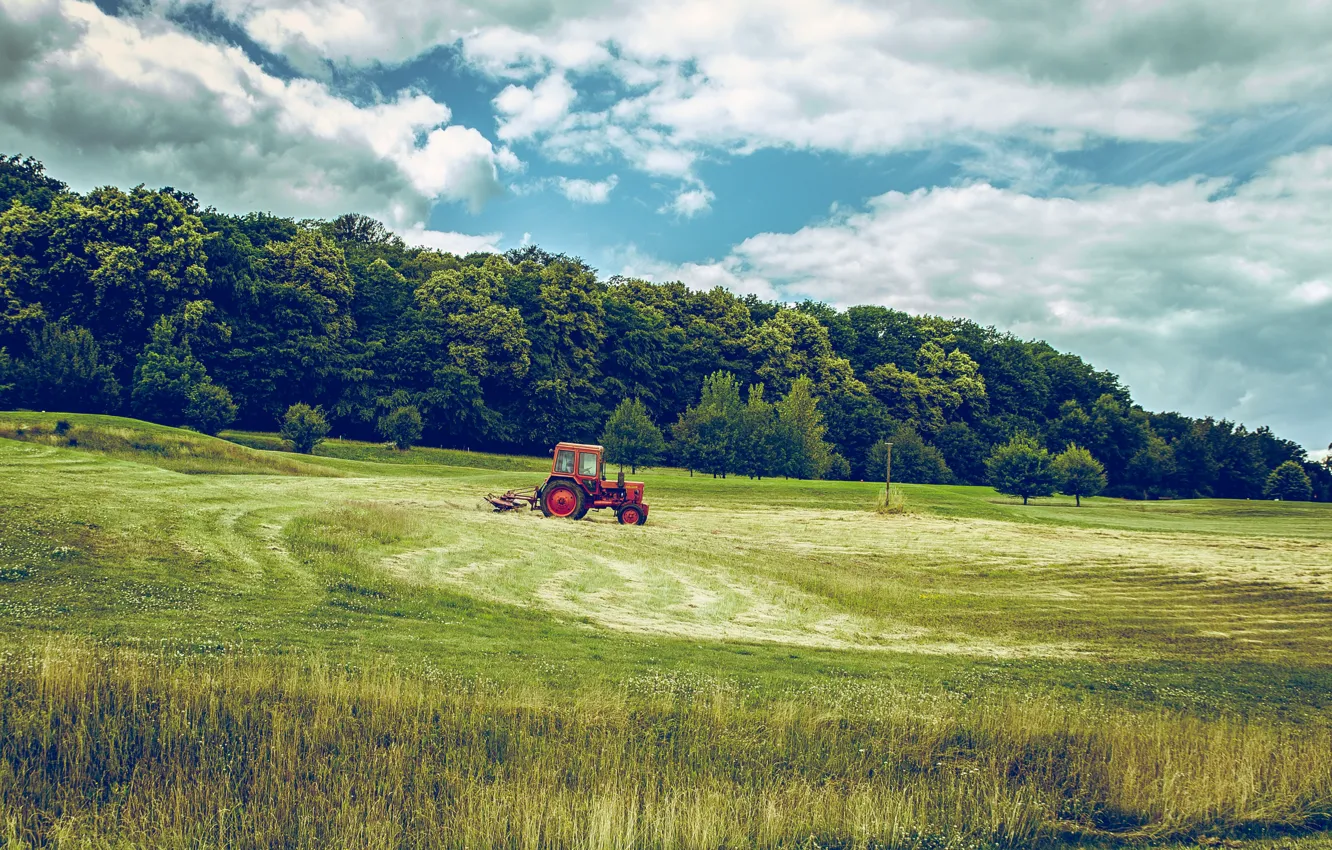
(708, 433)
(164, 378)
(1022, 467)
(1289, 483)
(1079, 474)
(64, 371)
(914, 461)
(800, 432)
(631, 437)
(757, 452)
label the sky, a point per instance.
(1145, 184)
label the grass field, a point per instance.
(207, 644)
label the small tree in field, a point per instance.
(800, 430)
(1289, 483)
(757, 450)
(1021, 467)
(304, 427)
(402, 426)
(1079, 473)
(631, 437)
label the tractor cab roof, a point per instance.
(581, 446)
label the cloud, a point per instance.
(575, 189)
(455, 162)
(633, 263)
(689, 202)
(1206, 297)
(831, 75)
(522, 112)
(453, 243)
(586, 191)
(105, 99)
(367, 32)
(1017, 167)
(858, 78)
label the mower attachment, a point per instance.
(513, 499)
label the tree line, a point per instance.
(144, 302)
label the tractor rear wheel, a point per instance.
(631, 515)
(564, 500)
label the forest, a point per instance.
(144, 302)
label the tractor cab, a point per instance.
(579, 461)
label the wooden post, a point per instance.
(888, 475)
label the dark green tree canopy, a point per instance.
(519, 350)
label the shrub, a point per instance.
(914, 461)
(402, 426)
(839, 468)
(210, 408)
(304, 427)
(893, 502)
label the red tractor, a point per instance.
(575, 486)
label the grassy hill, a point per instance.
(764, 663)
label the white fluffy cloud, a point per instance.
(575, 189)
(524, 112)
(103, 99)
(453, 243)
(587, 191)
(1204, 296)
(367, 32)
(689, 202)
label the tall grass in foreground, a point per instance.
(893, 501)
(102, 747)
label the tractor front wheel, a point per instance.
(563, 500)
(631, 515)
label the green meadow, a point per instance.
(208, 643)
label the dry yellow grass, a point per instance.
(115, 748)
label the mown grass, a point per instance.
(435, 674)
